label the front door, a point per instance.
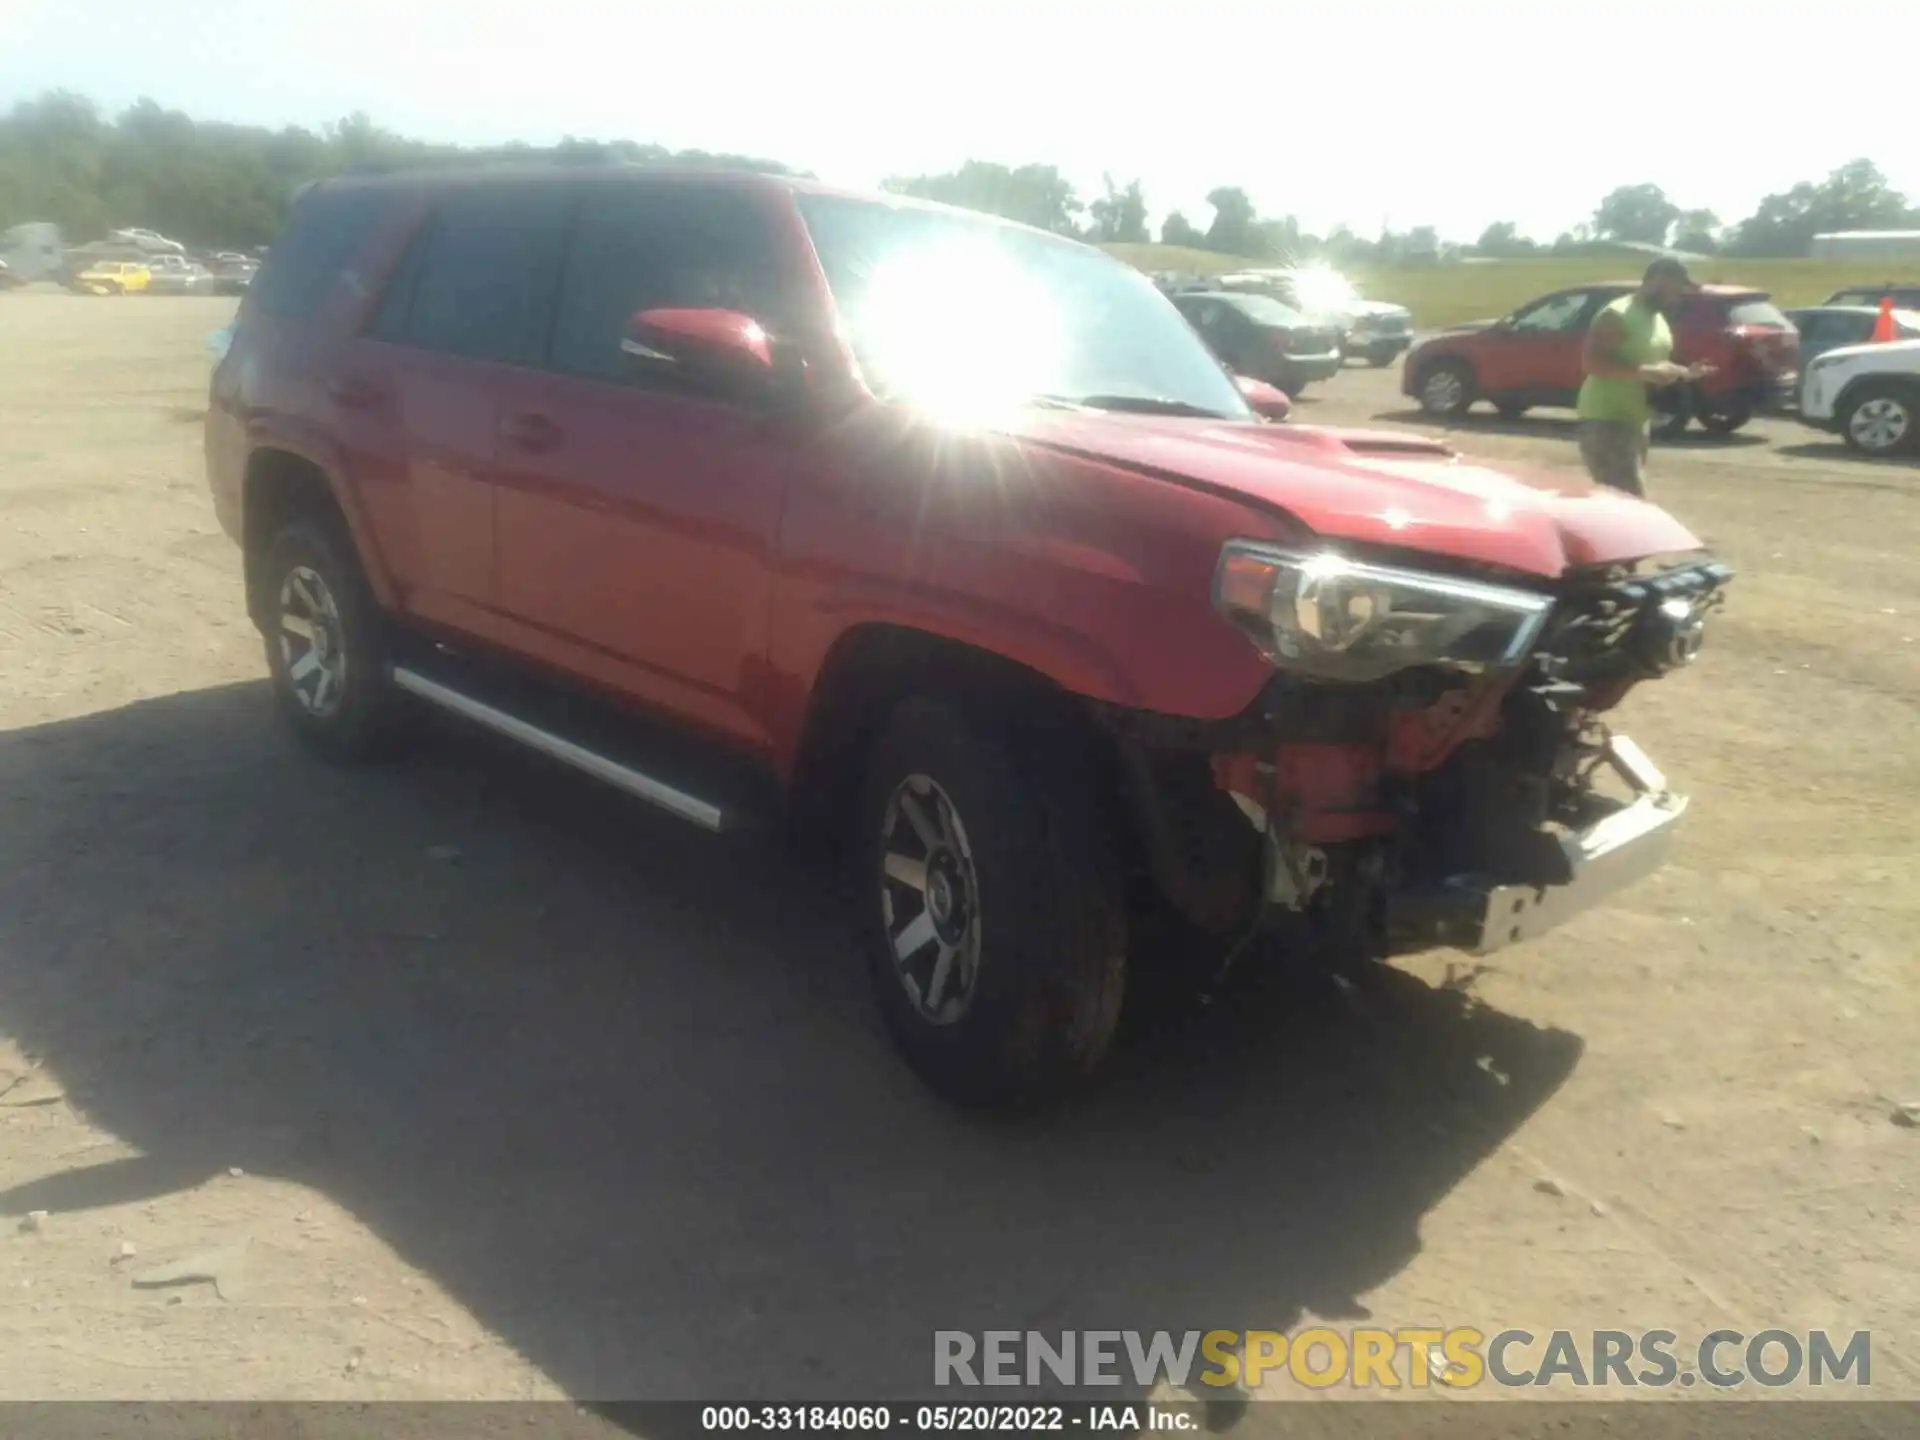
(637, 519)
(1538, 352)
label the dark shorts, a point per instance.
(1616, 454)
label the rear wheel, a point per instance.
(1725, 422)
(1446, 388)
(326, 643)
(996, 926)
(1881, 419)
(1382, 355)
(1672, 412)
(1511, 409)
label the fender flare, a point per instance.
(325, 461)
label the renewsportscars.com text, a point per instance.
(1459, 1358)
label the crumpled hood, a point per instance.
(1381, 488)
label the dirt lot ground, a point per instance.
(466, 1080)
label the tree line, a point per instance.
(214, 184)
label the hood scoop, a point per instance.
(1368, 442)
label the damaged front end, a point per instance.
(1472, 800)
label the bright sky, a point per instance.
(1366, 111)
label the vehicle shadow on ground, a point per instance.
(1838, 452)
(620, 1090)
(1536, 426)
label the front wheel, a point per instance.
(1382, 356)
(1879, 419)
(996, 928)
(326, 643)
(1446, 388)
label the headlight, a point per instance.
(1331, 618)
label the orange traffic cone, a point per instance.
(1883, 322)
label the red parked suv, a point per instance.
(949, 539)
(1533, 358)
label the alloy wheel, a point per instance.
(1443, 390)
(930, 900)
(311, 648)
(1879, 424)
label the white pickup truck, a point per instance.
(1867, 394)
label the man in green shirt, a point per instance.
(1630, 349)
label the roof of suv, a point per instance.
(535, 172)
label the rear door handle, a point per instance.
(525, 430)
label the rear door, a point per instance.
(1538, 351)
(466, 312)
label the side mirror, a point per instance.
(1266, 400)
(719, 351)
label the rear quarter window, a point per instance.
(323, 238)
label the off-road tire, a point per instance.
(363, 721)
(1046, 991)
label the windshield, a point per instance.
(971, 317)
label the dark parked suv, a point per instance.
(946, 542)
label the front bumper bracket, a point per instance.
(1480, 914)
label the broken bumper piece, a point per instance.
(1480, 914)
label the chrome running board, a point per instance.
(622, 777)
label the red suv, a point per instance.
(949, 540)
(1533, 358)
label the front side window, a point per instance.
(656, 246)
(1554, 314)
(967, 314)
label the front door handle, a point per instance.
(526, 430)
(353, 393)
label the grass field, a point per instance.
(1446, 294)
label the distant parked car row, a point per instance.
(1289, 327)
(165, 274)
(1867, 393)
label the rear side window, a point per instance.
(323, 238)
(641, 247)
(488, 266)
(1757, 312)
